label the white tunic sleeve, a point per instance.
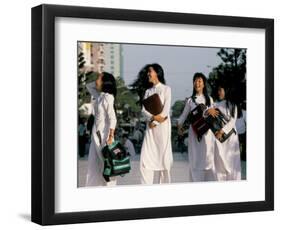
(185, 112)
(146, 114)
(167, 103)
(231, 124)
(109, 107)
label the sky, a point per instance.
(179, 64)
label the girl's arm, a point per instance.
(211, 109)
(183, 117)
(111, 117)
(148, 116)
(184, 114)
(167, 104)
(166, 107)
(231, 124)
(110, 137)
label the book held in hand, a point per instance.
(153, 104)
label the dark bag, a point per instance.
(197, 121)
(202, 124)
(217, 123)
(153, 104)
(116, 160)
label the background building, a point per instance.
(101, 57)
(113, 59)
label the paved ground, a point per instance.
(179, 171)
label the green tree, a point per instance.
(177, 108)
(231, 72)
(125, 97)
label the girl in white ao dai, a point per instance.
(103, 129)
(156, 152)
(227, 154)
(200, 153)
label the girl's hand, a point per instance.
(151, 125)
(159, 118)
(213, 112)
(109, 140)
(180, 132)
(219, 134)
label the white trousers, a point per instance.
(155, 176)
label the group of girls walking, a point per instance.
(209, 159)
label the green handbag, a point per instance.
(116, 160)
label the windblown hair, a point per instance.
(141, 84)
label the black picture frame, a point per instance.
(43, 114)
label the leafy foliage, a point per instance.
(177, 108)
(125, 97)
(141, 84)
(231, 73)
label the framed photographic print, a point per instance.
(145, 114)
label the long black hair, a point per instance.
(159, 71)
(230, 99)
(109, 84)
(141, 84)
(205, 91)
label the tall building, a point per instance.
(113, 59)
(93, 55)
(101, 57)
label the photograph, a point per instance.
(140, 114)
(155, 114)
